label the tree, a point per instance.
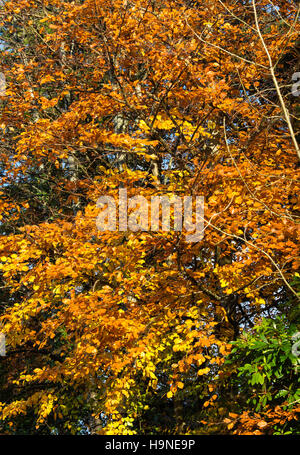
(123, 332)
(263, 375)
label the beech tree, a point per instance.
(131, 332)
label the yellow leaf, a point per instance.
(203, 371)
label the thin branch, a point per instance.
(271, 67)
